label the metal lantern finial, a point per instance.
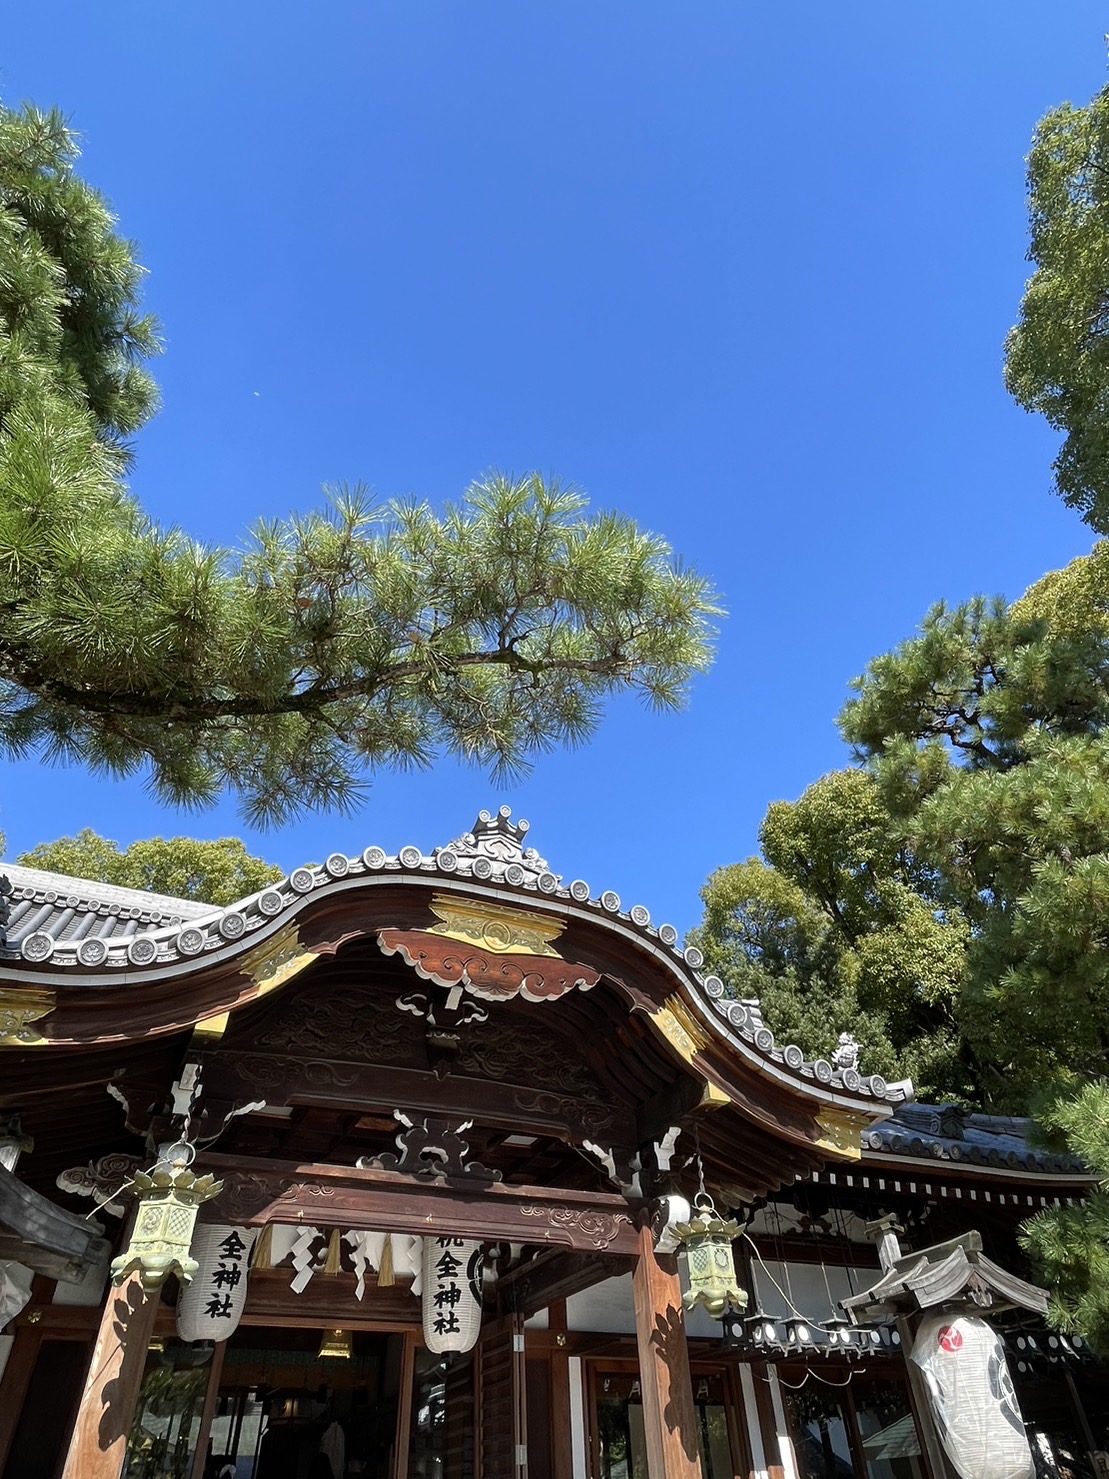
(707, 1241)
(169, 1196)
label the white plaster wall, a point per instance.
(610, 1306)
(607, 1306)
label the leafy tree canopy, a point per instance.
(946, 899)
(332, 643)
(1071, 1243)
(1058, 353)
(218, 872)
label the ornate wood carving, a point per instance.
(600, 1229)
(368, 1087)
(494, 928)
(492, 976)
(257, 1192)
(245, 1195)
(341, 1022)
(264, 1072)
(507, 1050)
(594, 1117)
(103, 1180)
(679, 1027)
(432, 1148)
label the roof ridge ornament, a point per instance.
(493, 850)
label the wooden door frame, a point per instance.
(410, 1334)
(728, 1371)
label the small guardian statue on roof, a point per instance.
(846, 1054)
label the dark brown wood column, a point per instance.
(208, 1411)
(99, 1443)
(16, 1380)
(669, 1422)
(562, 1454)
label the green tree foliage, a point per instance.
(835, 929)
(1071, 1244)
(331, 644)
(219, 872)
(946, 900)
(1058, 353)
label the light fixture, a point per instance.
(734, 1327)
(762, 1330)
(706, 1240)
(336, 1345)
(841, 1334)
(169, 1197)
(804, 1334)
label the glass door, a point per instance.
(619, 1444)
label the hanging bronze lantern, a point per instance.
(169, 1197)
(336, 1345)
(707, 1242)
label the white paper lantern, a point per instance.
(972, 1395)
(210, 1307)
(451, 1295)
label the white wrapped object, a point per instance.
(211, 1306)
(15, 1289)
(973, 1402)
(451, 1296)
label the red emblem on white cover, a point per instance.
(950, 1340)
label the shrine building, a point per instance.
(439, 1164)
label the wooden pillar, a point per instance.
(406, 1398)
(562, 1451)
(208, 1411)
(669, 1421)
(762, 1402)
(935, 1461)
(99, 1443)
(17, 1378)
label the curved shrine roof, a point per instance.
(72, 934)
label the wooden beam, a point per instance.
(553, 1276)
(668, 1107)
(258, 1191)
(329, 1300)
(332, 1084)
(98, 1446)
(669, 1421)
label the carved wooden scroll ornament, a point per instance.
(492, 952)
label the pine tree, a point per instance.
(336, 643)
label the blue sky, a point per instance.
(743, 272)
